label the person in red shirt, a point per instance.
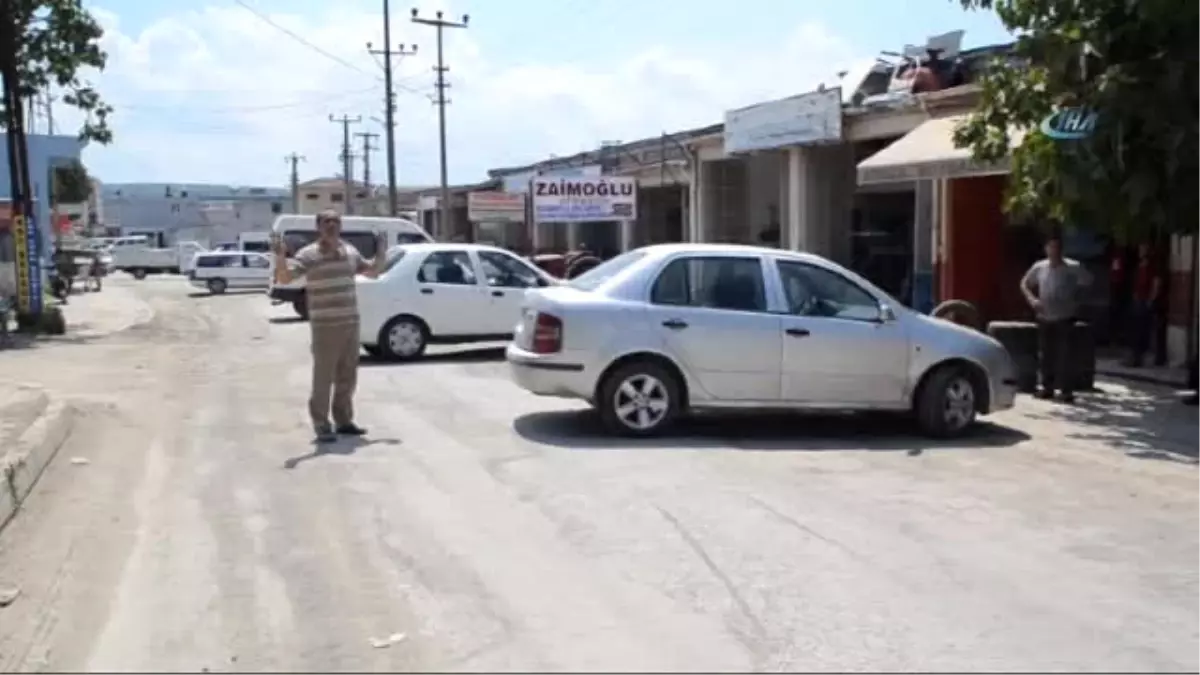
(1147, 284)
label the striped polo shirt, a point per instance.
(332, 299)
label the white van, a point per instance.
(254, 242)
(219, 271)
(361, 232)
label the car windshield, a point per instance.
(593, 278)
(365, 242)
(394, 256)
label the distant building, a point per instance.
(45, 152)
(320, 194)
(172, 212)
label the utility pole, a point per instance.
(367, 148)
(295, 160)
(50, 99)
(347, 158)
(439, 23)
(389, 100)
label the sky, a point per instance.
(207, 91)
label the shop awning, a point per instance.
(925, 153)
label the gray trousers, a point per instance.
(334, 374)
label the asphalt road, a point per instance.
(488, 529)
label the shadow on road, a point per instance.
(204, 295)
(1143, 421)
(343, 446)
(582, 429)
(450, 355)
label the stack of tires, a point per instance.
(1020, 338)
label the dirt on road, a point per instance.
(481, 528)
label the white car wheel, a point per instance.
(403, 338)
(959, 410)
(639, 399)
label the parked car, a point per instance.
(141, 261)
(662, 330)
(218, 271)
(443, 293)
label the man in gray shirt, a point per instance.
(1054, 287)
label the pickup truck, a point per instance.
(141, 261)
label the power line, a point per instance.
(267, 20)
(316, 100)
(439, 23)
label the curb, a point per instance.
(35, 448)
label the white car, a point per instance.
(443, 293)
(219, 271)
(661, 330)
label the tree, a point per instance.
(70, 183)
(1130, 62)
(45, 43)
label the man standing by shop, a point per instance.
(1146, 286)
(1053, 287)
(330, 264)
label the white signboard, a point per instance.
(519, 182)
(806, 119)
(495, 207)
(565, 200)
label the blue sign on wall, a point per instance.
(33, 254)
(1069, 124)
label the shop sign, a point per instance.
(29, 267)
(1070, 124)
(807, 119)
(496, 207)
(564, 200)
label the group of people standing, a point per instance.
(1054, 287)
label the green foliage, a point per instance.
(54, 39)
(71, 183)
(1134, 63)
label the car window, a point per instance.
(816, 291)
(257, 246)
(717, 283)
(256, 261)
(593, 278)
(394, 258)
(507, 271)
(447, 267)
(218, 261)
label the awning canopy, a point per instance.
(926, 153)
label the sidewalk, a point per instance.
(33, 426)
(94, 315)
(1168, 376)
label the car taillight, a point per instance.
(547, 334)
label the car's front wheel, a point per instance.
(639, 399)
(217, 286)
(948, 402)
(403, 338)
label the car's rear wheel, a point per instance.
(404, 338)
(639, 399)
(372, 350)
(138, 273)
(948, 402)
(217, 286)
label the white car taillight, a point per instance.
(547, 334)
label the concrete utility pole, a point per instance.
(347, 158)
(367, 148)
(389, 100)
(439, 23)
(295, 160)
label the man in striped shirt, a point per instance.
(330, 264)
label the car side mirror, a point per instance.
(886, 314)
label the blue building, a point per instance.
(172, 212)
(45, 153)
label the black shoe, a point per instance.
(325, 434)
(1044, 394)
(1067, 397)
(351, 429)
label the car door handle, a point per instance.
(798, 332)
(427, 291)
(497, 294)
(675, 324)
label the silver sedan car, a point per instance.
(666, 329)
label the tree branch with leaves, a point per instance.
(1131, 62)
